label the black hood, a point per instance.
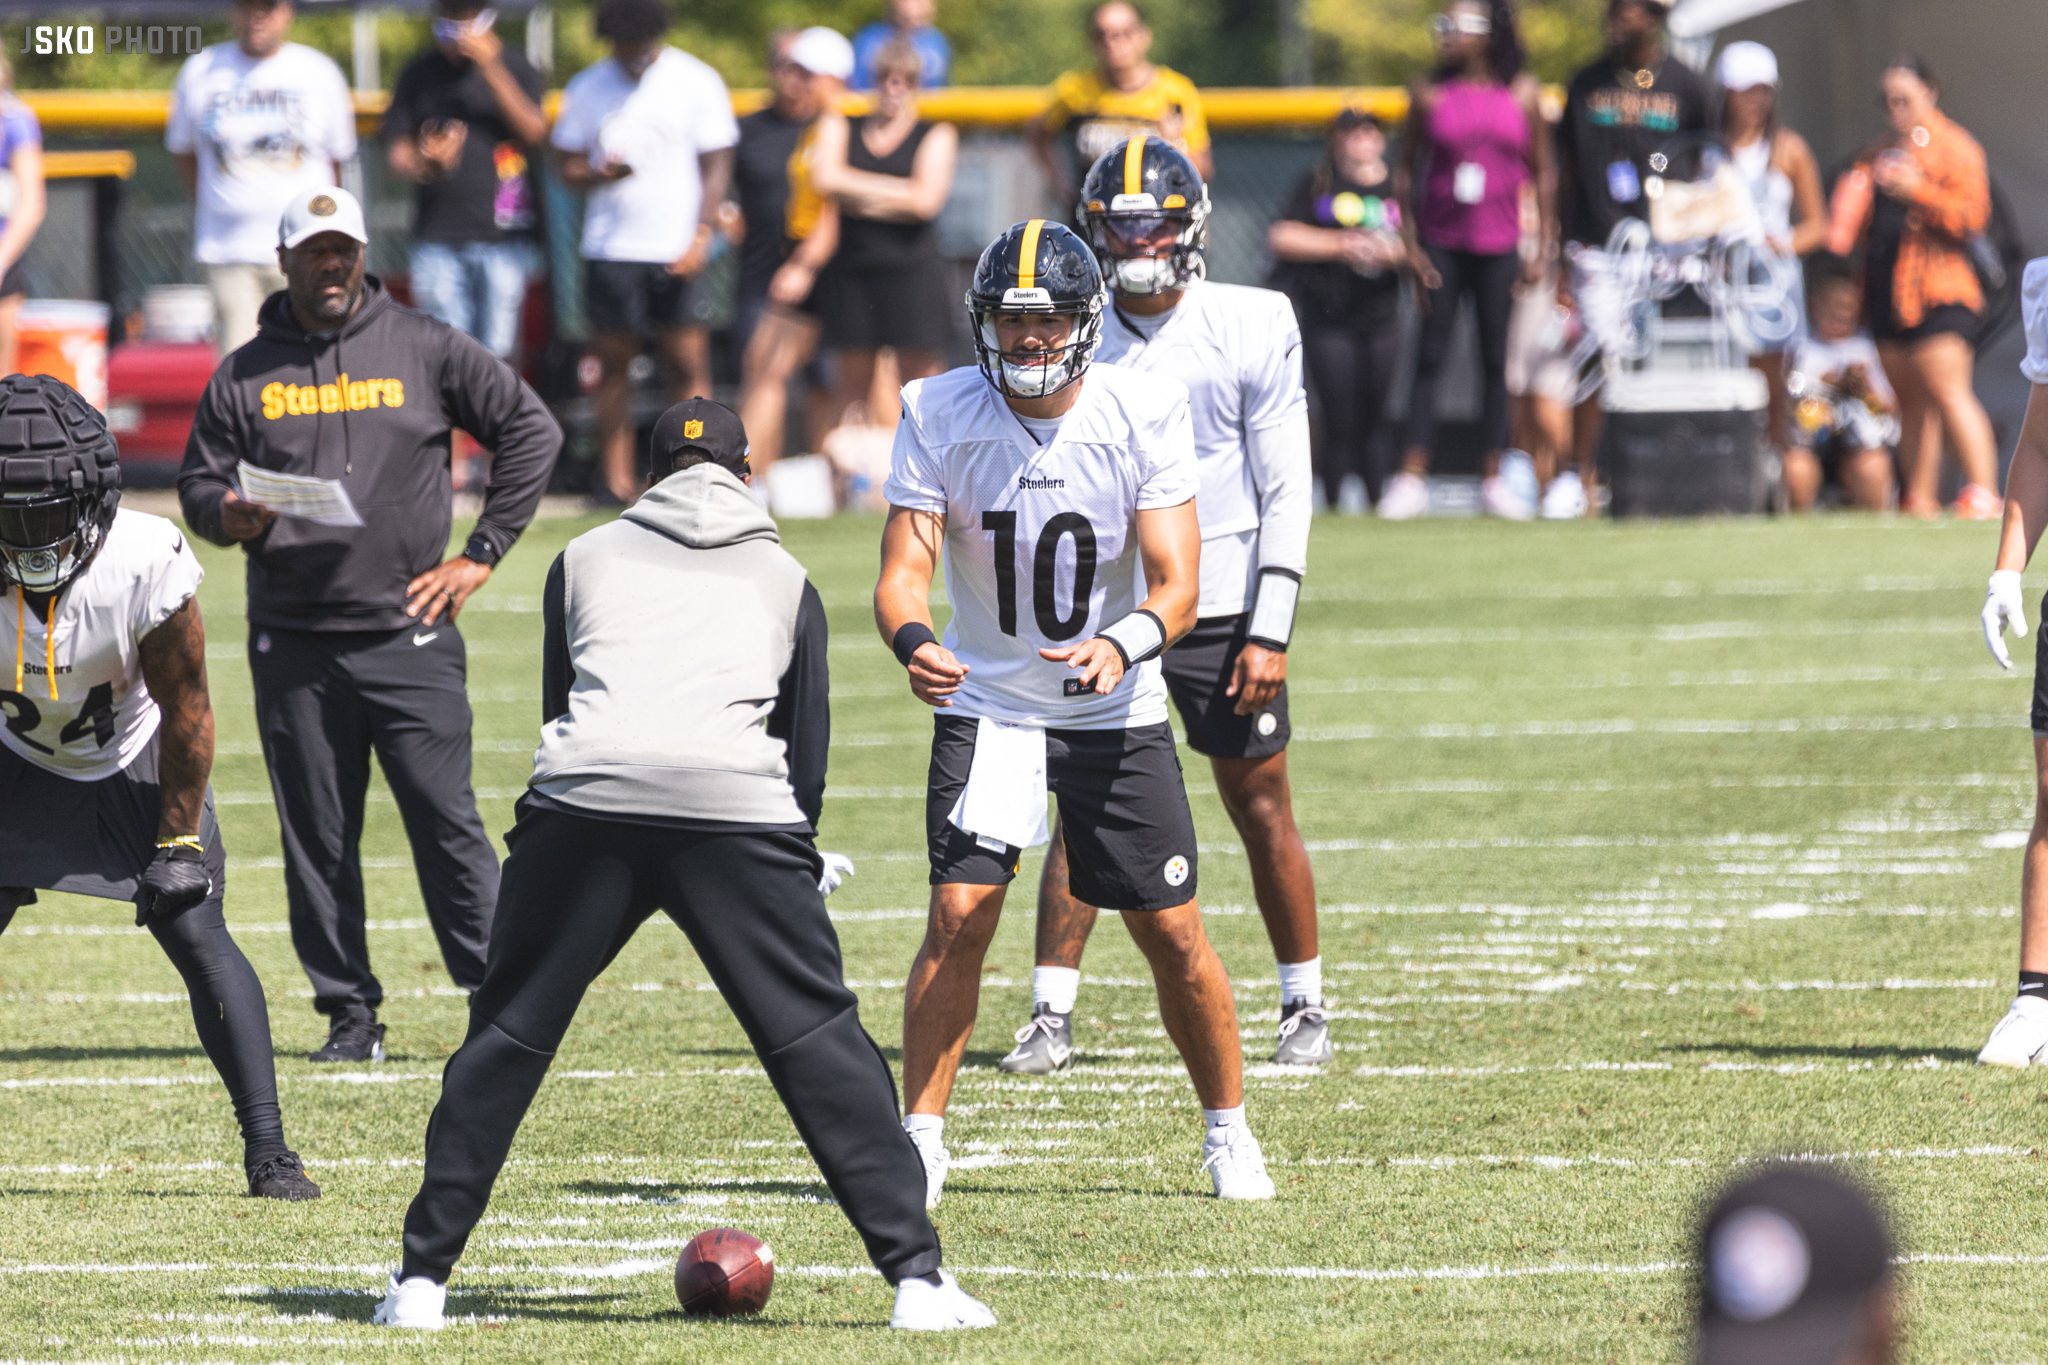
(277, 321)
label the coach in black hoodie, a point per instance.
(352, 639)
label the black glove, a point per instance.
(12, 898)
(175, 881)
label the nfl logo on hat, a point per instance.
(692, 429)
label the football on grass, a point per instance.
(724, 1273)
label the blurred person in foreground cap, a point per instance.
(353, 645)
(664, 784)
(1795, 1269)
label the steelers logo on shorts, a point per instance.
(1267, 724)
(1176, 870)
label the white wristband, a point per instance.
(1272, 622)
(1138, 637)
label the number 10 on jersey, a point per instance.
(1045, 607)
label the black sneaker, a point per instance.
(354, 1038)
(282, 1176)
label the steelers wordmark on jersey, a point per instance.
(81, 710)
(1041, 545)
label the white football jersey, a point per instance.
(1041, 543)
(102, 715)
(2034, 317)
(1238, 351)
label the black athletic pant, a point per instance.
(1350, 368)
(95, 839)
(1490, 282)
(324, 701)
(576, 889)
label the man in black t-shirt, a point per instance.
(464, 122)
(1618, 111)
(760, 181)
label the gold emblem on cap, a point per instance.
(692, 429)
(321, 207)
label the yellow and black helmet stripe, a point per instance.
(1134, 165)
(1027, 254)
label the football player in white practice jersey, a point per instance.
(1238, 352)
(106, 736)
(1062, 497)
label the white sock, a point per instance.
(935, 1124)
(1055, 988)
(1301, 981)
(1220, 1119)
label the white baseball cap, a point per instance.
(326, 209)
(823, 52)
(1746, 65)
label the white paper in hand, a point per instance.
(324, 502)
(1004, 799)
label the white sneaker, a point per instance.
(1236, 1164)
(1498, 498)
(1351, 497)
(1405, 497)
(922, 1306)
(1565, 499)
(2021, 1037)
(416, 1302)
(936, 1162)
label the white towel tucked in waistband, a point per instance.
(1004, 799)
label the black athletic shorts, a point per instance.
(1951, 319)
(636, 298)
(905, 308)
(1197, 671)
(1123, 812)
(90, 838)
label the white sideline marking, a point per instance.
(1679, 633)
(1620, 726)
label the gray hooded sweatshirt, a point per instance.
(684, 679)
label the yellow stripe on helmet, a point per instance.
(1134, 165)
(1027, 255)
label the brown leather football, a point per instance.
(724, 1273)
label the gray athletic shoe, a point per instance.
(1044, 1045)
(1304, 1035)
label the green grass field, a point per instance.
(1641, 849)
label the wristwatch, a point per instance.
(480, 549)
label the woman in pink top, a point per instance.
(1475, 139)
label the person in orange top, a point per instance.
(1914, 200)
(1126, 94)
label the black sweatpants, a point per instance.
(1350, 369)
(96, 839)
(1490, 282)
(325, 700)
(576, 889)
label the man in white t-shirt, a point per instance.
(2020, 1039)
(254, 122)
(108, 736)
(1063, 497)
(648, 133)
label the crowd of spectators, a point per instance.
(839, 291)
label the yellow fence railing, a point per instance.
(133, 112)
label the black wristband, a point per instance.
(480, 549)
(913, 636)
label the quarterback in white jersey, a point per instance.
(1062, 498)
(106, 735)
(2021, 1037)
(1237, 351)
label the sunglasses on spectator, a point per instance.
(455, 30)
(1455, 25)
(1106, 36)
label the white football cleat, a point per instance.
(416, 1302)
(1236, 1164)
(2021, 1037)
(1565, 499)
(1405, 497)
(937, 1160)
(922, 1306)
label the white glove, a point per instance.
(2004, 610)
(838, 867)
